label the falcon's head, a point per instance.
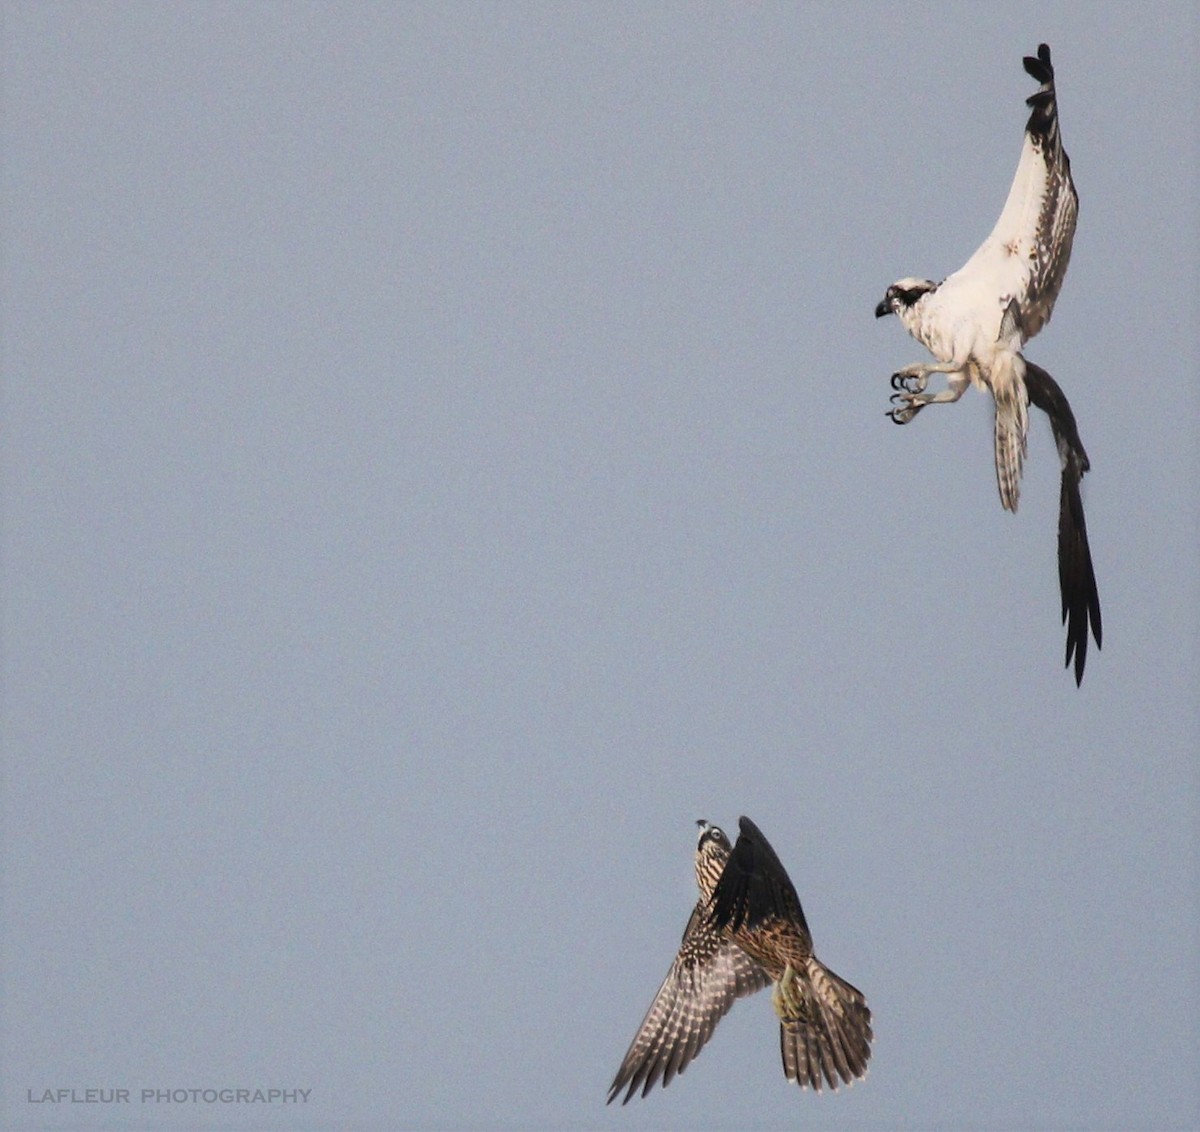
(903, 294)
(712, 851)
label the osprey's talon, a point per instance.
(910, 380)
(907, 407)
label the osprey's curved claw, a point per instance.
(910, 380)
(907, 407)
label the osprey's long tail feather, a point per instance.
(1012, 425)
(1076, 578)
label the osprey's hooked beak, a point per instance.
(885, 307)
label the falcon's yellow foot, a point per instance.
(787, 1002)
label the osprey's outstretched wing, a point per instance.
(709, 974)
(1076, 579)
(1027, 253)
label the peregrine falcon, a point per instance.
(824, 1023)
(976, 323)
(825, 1026)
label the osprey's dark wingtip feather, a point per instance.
(1042, 101)
(1040, 68)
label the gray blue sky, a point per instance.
(444, 455)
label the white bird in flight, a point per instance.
(976, 322)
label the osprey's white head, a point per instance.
(902, 295)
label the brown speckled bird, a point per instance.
(747, 930)
(824, 1023)
(707, 976)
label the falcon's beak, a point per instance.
(884, 307)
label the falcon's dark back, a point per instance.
(755, 889)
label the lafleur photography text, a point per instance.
(167, 1096)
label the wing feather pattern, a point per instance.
(708, 975)
(1056, 219)
(1028, 250)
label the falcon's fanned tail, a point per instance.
(826, 1038)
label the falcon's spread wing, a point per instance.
(1027, 253)
(709, 974)
(1076, 579)
(755, 886)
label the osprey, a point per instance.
(976, 321)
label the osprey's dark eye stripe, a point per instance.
(908, 296)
